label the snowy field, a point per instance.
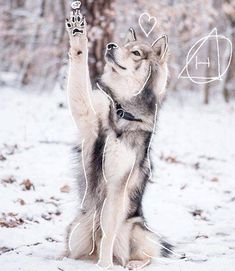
(191, 202)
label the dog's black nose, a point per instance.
(111, 46)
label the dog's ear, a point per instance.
(131, 36)
(160, 46)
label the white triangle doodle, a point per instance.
(198, 45)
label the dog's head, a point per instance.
(129, 67)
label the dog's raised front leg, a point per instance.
(79, 86)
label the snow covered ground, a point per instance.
(191, 202)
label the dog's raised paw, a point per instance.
(75, 25)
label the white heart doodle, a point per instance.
(145, 17)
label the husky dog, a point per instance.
(116, 122)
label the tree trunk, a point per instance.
(207, 75)
(230, 73)
(100, 17)
(25, 75)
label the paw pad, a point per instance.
(76, 31)
(76, 23)
(69, 25)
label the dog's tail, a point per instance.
(168, 251)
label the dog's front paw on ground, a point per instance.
(105, 264)
(136, 264)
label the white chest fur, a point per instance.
(118, 160)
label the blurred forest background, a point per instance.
(34, 43)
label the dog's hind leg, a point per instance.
(143, 245)
(80, 237)
(121, 249)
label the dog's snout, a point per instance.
(111, 46)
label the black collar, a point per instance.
(120, 111)
(122, 114)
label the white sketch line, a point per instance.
(88, 80)
(106, 94)
(84, 170)
(127, 182)
(112, 244)
(69, 106)
(103, 232)
(147, 227)
(149, 19)
(103, 237)
(156, 233)
(219, 77)
(132, 33)
(163, 260)
(150, 142)
(75, 4)
(203, 40)
(143, 265)
(71, 234)
(89, 94)
(159, 244)
(145, 82)
(103, 159)
(93, 234)
(88, 87)
(166, 43)
(202, 63)
(201, 77)
(101, 215)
